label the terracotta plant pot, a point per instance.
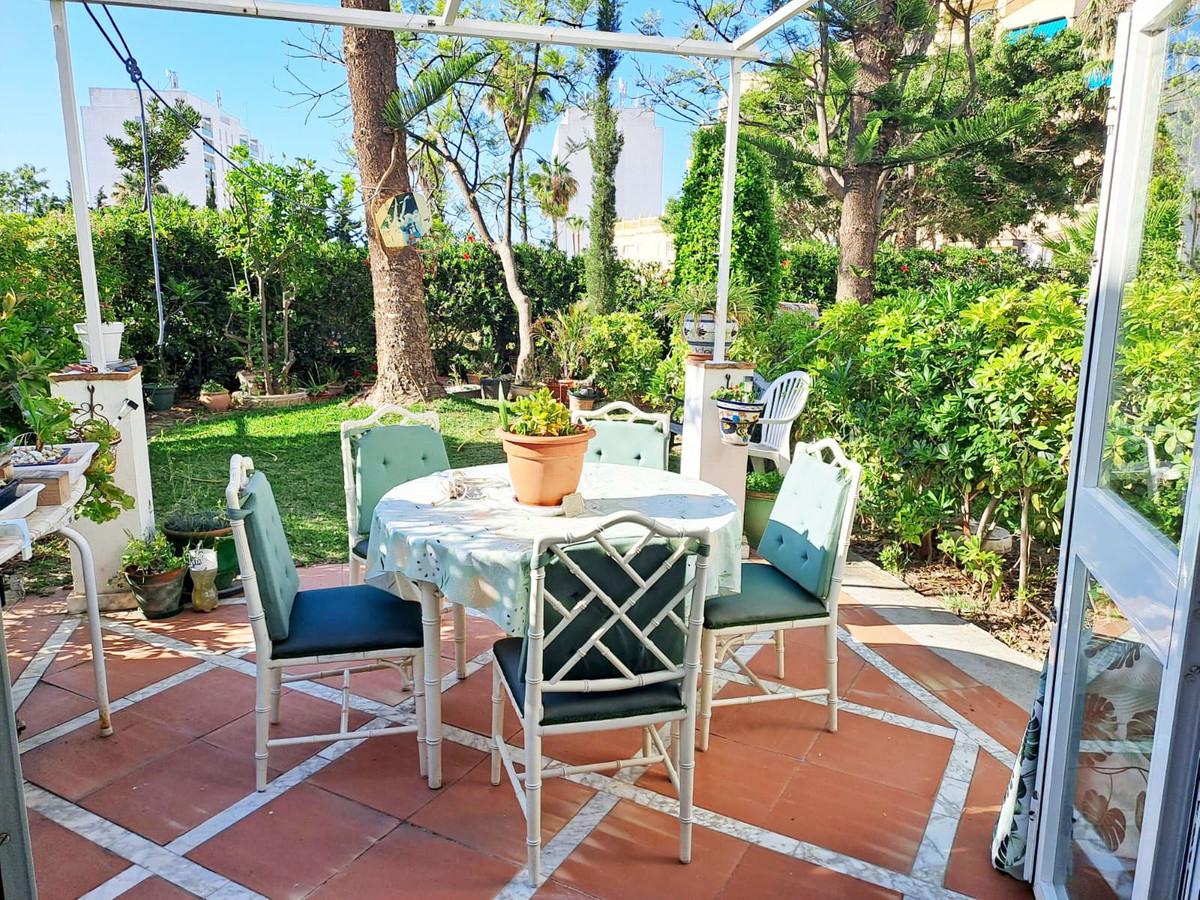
(581, 404)
(561, 388)
(158, 595)
(216, 402)
(543, 470)
(473, 377)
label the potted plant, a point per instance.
(762, 490)
(740, 411)
(215, 397)
(496, 386)
(110, 335)
(694, 307)
(208, 528)
(522, 387)
(545, 449)
(50, 423)
(565, 336)
(160, 394)
(584, 396)
(155, 571)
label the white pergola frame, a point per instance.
(743, 49)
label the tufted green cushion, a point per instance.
(390, 455)
(767, 596)
(627, 444)
(274, 569)
(801, 537)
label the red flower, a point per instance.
(904, 267)
(356, 374)
(466, 256)
(785, 263)
(470, 238)
(374, 367)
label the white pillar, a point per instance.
(132, 475)
(728, 184)
(703, 454)
(79, 186)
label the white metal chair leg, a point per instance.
(675, 742)
(276, 694)
(708, 664)
(533, 805)
(460, 640)
(497, 720)
(831, 662)
(262, 712)
(687, 769)
(647, 743)
(779, 661)
(418, 668)
(431, 626)
(356, 569)
(88, 566)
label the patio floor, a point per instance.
(899, 803)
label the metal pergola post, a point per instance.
(728, 189)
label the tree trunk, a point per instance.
(1023, 557)
(508, 263)
(858, 234)
(402, 352)
(264, 335)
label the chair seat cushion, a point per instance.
(348, 620)
(767, 596)
(360, 549)
(563, 708)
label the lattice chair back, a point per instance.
(377, 457)
(785, 399)
(269, 576)
(616, 608)
(627, 436)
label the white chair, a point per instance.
(625, 435)
(357, 628)
(805, 545)
(377, 458)
(785, 399)
(613, 642)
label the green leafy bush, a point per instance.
(623, 351)
(764, 482)
(152, 554)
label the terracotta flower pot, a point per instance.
(159, 594)
(217, 402)
(543, 470)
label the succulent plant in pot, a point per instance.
(545, 449)
(155, 571)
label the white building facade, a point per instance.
(109, 108)
(639, 173)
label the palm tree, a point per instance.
(576, 224)
(554, 187)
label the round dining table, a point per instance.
(462, 536)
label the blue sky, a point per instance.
(245, 59)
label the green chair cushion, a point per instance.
(767, 596)
(627, 444)
(803, 531)
(389, 455)
(350, 619)
(561, 708)
(274, 568)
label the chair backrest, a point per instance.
(627, 436)
(264, 557)
(614, 608)
(376, 458)
(785, 399)
(808, 533)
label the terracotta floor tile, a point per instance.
(733, 779)
(553, 889)
(590, 747)
(481, 634)
(81, 762)
(295, 843)
(878, 751)
(469, 705)
(804, 663)
(24, 637)
(175, 793)
(764, 873)
(47, 706)
(301, 714)
(926, 667)
(486, 818)
(634, 852)
(201, 704)
(53, 603)
(382, 685)
(130, 665)
(874, 689)
(991, 711)
(329, 575)
(412, 862)
(383, 773)
(851, 815)
(875, 632)
(970, 871)
(65, 864)
(783, 726)
(225, 628)
(155, 888)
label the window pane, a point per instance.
(1117, 704)
(1156, 391)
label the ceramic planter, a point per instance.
(737, 419)
(158, 596)
(758, 509)
(581, 404)
(110, 334)
(522, 390)
(491, 387)
(161, 397)
(543, 470)
(216, 402)
(699, 330)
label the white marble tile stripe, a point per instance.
(33, 673)
(142, 852)
(933, 856)
(118, 884)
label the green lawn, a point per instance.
(298, 450)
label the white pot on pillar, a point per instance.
(111, 333)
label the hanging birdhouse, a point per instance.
(401, 220)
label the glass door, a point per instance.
(1118, 770)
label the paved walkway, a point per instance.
(899, 803)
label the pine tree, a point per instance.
(600, 265)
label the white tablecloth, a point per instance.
(476, 549)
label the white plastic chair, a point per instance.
(785, 399)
